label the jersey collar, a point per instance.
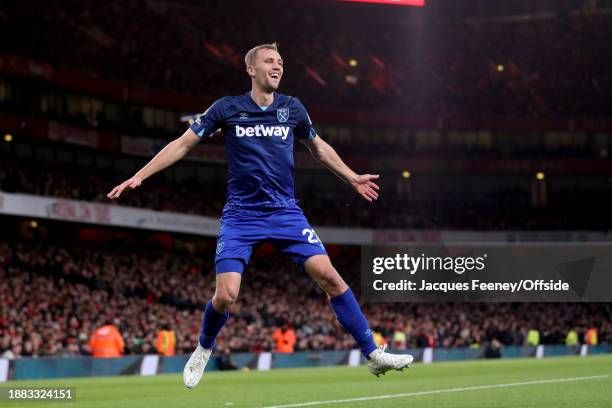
(270, 107)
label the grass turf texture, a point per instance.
(295, 386)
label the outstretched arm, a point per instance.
(173, 152)
(361, 183)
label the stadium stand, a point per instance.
(53, 297)
(460, 71)
(54, 294)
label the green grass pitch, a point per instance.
(550, 382)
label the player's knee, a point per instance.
(225, 298)
(321, 269)
(331, 282)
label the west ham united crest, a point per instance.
(282, 114)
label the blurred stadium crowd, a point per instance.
(53, 297)
(441, 67)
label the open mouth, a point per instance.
(275, 75)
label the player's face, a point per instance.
(268, 70)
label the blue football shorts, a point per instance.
(243, 230)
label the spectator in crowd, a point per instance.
(590, 338)
(165, 343)
(284, 337)
(571, 340)
(223, 357)
(533, 337)
(399, 338)
(493, 349)
(379, 339)
(106, 341)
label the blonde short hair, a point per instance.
(249, 58)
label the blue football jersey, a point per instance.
(259, 146)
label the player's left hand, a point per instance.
(365, 187)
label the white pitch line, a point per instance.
(444, 391)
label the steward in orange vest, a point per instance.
(165, 341)
(106, 342)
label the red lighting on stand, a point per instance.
(414, 3)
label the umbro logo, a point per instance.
(243, 115)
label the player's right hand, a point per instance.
(131, 183)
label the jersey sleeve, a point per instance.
(303, 129)
(208, 122)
